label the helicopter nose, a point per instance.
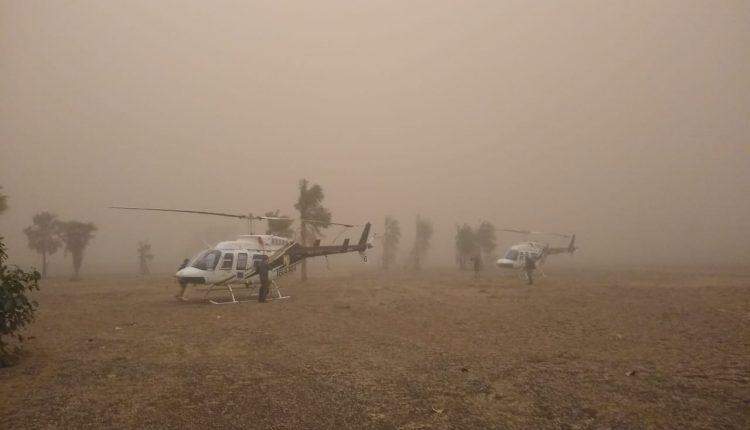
(190, 275)
(504, 263)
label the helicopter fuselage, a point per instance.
(514, 257)
(228, 262)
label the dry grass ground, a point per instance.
(583, 349)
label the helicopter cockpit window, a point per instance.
(226, 263)
(512, 254)
(208, 260)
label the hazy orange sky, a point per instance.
(625, 122)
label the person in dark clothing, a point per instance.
(529, 265)
(183, 283)
(264, 281)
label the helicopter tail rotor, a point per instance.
(364, 242)
(365, 235)
(572, 246)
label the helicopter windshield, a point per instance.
(207, 260)
(512, 255)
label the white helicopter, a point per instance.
(234, 262)
(528, 256)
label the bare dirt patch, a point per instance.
(651, 348)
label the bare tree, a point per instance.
(76, 236)
(43, 236)
(391, 237)
(421, 241)
(144, 257)
(279, 227)
(313, 216)
(466, 245)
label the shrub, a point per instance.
(16, 309)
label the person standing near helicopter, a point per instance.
(262, 267)
(529, 265)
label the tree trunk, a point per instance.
(44, 265)
(303, 239)
(77, 260)
(143, 266)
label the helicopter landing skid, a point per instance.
(275, 293)
(232, 296)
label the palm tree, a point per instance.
(144, 256)
(391, 238)
(486, 239)
(3, 202)
(43, 237)
(313, 216)
(466, 245)
(421, 241)
(76, 236)
(279, 227)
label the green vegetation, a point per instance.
(471, 243)
(76, 236)
(3, 201)
(486, 239)
(16, 309)
(43, 236)
(144, 257)
(466, 245)
(279, 227)
(391, 239)
(314, 217)
(422, 239)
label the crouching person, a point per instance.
(183, 283)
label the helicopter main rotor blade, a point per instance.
(329, 223)
(511, 230)
(185, 211)
(228, 215)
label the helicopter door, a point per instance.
(521, 260)
(241, 264)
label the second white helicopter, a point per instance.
(531, 255)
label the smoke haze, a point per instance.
(627, 123)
